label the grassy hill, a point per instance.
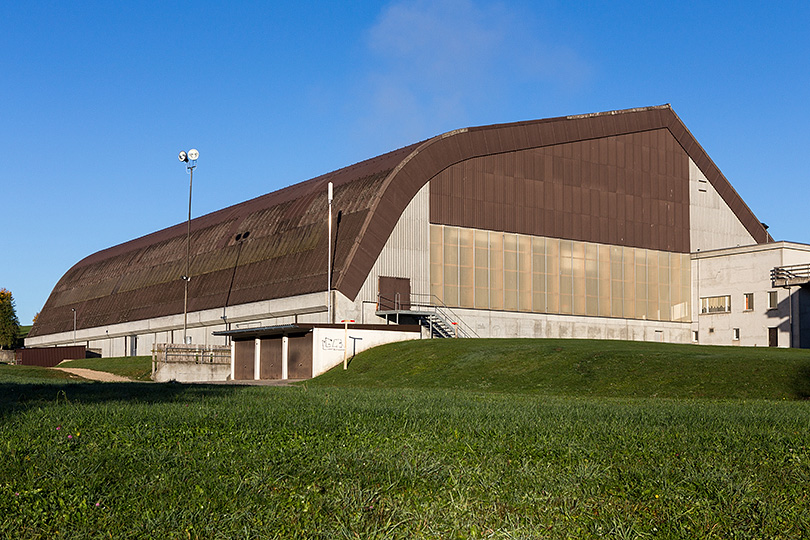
(581, 368)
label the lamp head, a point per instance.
(193, 154)
(183, 156)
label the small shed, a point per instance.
(303, 351)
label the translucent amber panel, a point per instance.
(496, 270)
(524, 273)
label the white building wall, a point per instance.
(739, 271)
(329, 344)
(712, 223)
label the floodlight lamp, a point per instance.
(193, 154)
(182, 156)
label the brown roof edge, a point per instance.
(720, 183)
(432, 156)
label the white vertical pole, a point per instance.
(257, 359)
(285, 356)
(345, 342)
(233, 359)
(329, 260)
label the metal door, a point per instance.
(299, 357)
(270, 358)
(244, 358)
(395, 293)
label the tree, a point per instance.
(9, 324)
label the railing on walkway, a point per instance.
(427, 305)
(795, 274)
(189, 354)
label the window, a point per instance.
(735, 334)
(715, 304)
(773, 301)
(695, 336)
(749, 302)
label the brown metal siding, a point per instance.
(590, 199)
(299, 364)
(270, 358)
(244, 358)
(50, 356)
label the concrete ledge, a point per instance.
(189, 372)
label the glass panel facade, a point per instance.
(514, 272)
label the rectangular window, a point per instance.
(735, 334)
(773, 300)
(749, 302)
(715, 304)
(695, 336)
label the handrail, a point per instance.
(438, 308)
(791, 271)
(445, 308)
(788, 273)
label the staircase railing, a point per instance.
(426, 306)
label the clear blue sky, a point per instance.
(98, 98)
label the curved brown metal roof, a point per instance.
(285, 253)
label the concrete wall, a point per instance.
(329, 344)
(190, 372)
(538, 325)
(736, 272)
(712, 224)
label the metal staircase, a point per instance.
(439, 320)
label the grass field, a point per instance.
(393, 456)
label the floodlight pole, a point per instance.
(329, 259)
(188, 256)
(190, 160)
(74, 325)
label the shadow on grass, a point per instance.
(801, 384)
(17, 396)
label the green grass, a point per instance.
(138, 368)
(508, 460)
(568, 367)
(32, 374)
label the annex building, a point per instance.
(612, 225)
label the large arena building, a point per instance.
(612, 225)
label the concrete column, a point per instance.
(285, 356)
(233, 360)
(257, 359)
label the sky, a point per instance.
(97, 99)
